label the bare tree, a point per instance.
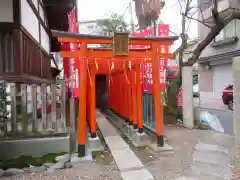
(215, 24)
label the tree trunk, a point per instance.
(171, 112)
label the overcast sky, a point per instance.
(96, 9)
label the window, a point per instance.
(90, 27)
(228, 31)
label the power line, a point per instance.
(169, 29)
(125, 10)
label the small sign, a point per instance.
(120, 43)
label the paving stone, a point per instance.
(211, 147)
(116, 142)
(185, 178)
(62, 158)
(36, 169)
(126, 159)
(212, 170)
(58, 165)
(211, 162)
(106, 128)
(47, 165)
(26, 169)
(205, 177)
(142, 174)
(211, 157)
(12, 171)
(1, 172)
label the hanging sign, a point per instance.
(146, 68)
(72, 21)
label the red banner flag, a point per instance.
(73, 27)
(146, 69)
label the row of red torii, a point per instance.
(122, 67)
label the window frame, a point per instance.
(224, 32)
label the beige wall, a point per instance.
(187, 54)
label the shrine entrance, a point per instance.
(101, 92)
(121, 65)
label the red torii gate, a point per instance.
(123, 71)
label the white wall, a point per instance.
(222, 76)
(30, 23)
(45, 40)
(6, 11)
(29, 20)
(41, 12)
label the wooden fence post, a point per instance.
(24, 114)
(63, 105)
(35, 121)
(53, 108)
(44, 105)
(13, 93)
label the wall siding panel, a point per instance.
(29, 20)
(45, 40)
(6, 10)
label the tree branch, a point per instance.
(203, 23)
(215, 30)
(181, 9)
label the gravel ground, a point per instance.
(171, 166)
(181, 163)
(235, 151)
(103, 167)
(184, 141)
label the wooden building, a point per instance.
(26, 41)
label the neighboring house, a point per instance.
(90, 27)
(26, 42)
(215, 61)
(191, 45)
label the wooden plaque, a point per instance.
(120, 43)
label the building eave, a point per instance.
(219, 57)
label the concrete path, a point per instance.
(211, 161)
(128, 163)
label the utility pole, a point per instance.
(131, 16)
(155, 28)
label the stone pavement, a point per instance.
(128, 163)
(199, 155)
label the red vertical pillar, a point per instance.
(134, 99)
(82, 104)
(130, 114)
(92, 103)
(139, 100)
(157, 97)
